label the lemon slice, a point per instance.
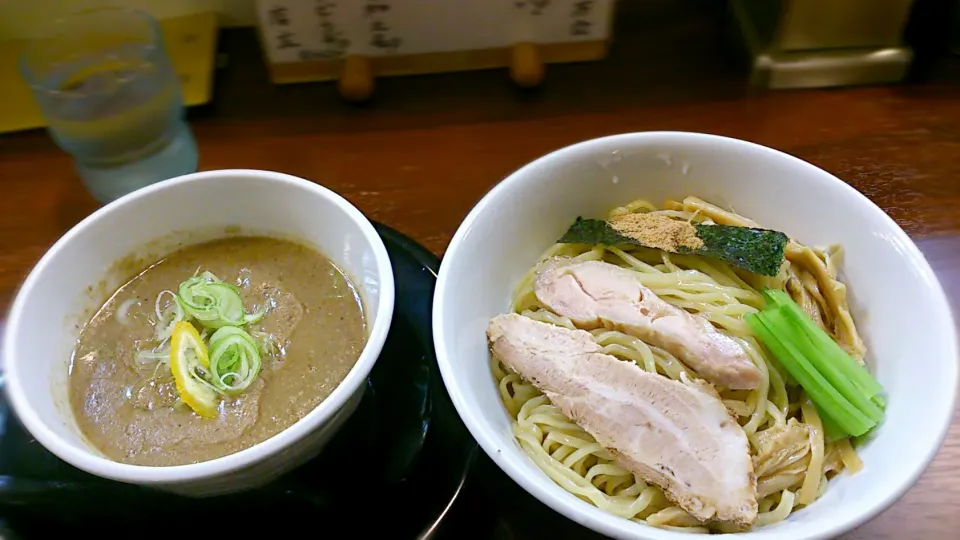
(187, 354)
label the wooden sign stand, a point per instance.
(356, 41)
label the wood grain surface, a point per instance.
(427, 148)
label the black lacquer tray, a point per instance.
(398, 469)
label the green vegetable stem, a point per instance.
(849, 399)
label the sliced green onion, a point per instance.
(266, 342)
(214, 303)
(151, 356)
(846, 415)
(167, 317)
(234, 359)
(123, 310)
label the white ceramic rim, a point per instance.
(552, 495)
(140, 474)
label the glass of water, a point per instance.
(111, 99)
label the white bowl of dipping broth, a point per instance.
(79, 273)
(897, 302)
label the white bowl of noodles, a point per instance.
(897, 305)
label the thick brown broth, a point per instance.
(129, 409)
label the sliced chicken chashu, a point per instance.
(595, 294)
(676, 435)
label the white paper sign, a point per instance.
(299, 30)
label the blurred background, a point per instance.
(26, 19)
